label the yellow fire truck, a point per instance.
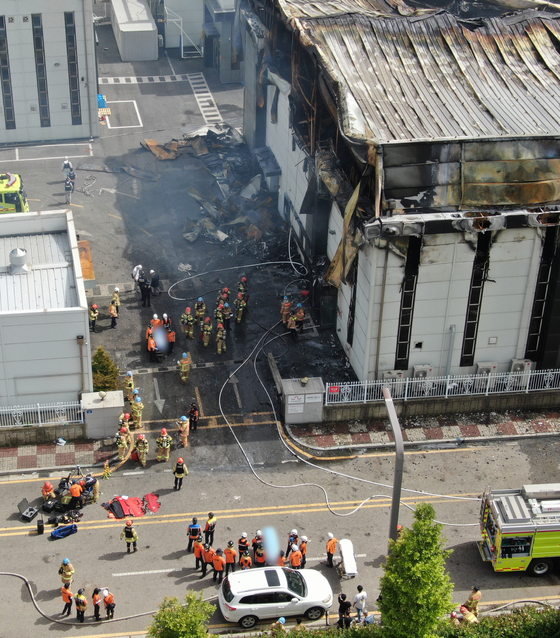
(521, 528)
(12, 196)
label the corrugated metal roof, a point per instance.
(332, 8)
(51, 282)
(436, 77)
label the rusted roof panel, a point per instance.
(437, 78)
(332, 8)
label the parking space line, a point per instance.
(107, 117)
(54, 157)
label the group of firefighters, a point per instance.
(66, 573)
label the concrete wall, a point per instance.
(24, 78)
(32, 435)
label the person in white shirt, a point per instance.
(360, 601)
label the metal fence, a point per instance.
(41, 414)
(443, 387)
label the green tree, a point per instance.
(415, 589)
(177, 620)
(105, 372)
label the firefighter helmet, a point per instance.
(123, 430)
(225, 290)
(164, 315)
(48, 485)
(129, 374)
(138, 399)
(240, 295)
(230, 544)
(94, 306)
(116, 290)
(188, 310)
(244, 280)
(208, 320)
(136, 391)
(126, 416)
(183, 418)
(200, 299)
(129, 523)
(155, 317)
(163, 431)
(180, 460)
(140, 437)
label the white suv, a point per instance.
(272, 592)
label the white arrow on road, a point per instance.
(233, 380)
(159, 402)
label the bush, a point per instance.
(177, 620)
(105, 372)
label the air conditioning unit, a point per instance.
(160, 41)
(394, 380)
(486, 368)
(520, 369)
(423, 372)
(392, 375)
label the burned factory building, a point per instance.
(419, 161)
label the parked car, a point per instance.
(271, 592)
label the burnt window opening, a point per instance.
(351, 318)
(542, 294)
(408, 296)
(478, 277)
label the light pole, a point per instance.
(399, 462)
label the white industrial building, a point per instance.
(48, 73)
(44, 328)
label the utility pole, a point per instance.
(399, 462)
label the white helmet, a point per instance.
(304, 539)
(244, 535)
(155, 317)
(294, 548)
(139, 266)
(164, 316)
(330, 535)
(294, 532)
(259, 533)
(105, 593)
(152, 272)
(116, 290)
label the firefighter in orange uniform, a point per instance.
(198, 549)
(231, 557)
(218, 563)
(295, 557)
(303, 550)
(331, 549)
(246, 561)
(260, 556)
(207, 558)
(48, 491)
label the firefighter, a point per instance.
(184, 428)
(331, 548)
(76, 491)
(117, 300)
(93, 314)
(260, 556)
(206, 331)
(129, 385)
(219, 313)
(137, 408)
(164, 446)
(166, 321)
(218, 563)
(154, 282)
(92, 484)
(193, 417)
(188, 321)
(296, 557)
(246, 561)
(185, 367)
(81, 605)
(473, 600)
(200, 310)
(292, 326)
(256, 540)
(227, 316)
(239, 304)
(300, 316)
(48, 491)
(293, 538)
(231, 557)
(67, 597)
(193, 530)
(149, 332)
(242, 545)
(303, 550)
(96, 598)
(66, 571)
(223, 296)
(68, 189)
(129, 533)
(285, 310)
(109, 602)
(152, 348)
(122, 443)
(207, 558)
(156, 322)
(242, 289)
(145, 289)
(210, 528)
(221, 338)
(468, 616)
(128, 423)
(179, 472)
(198, 549)
(454, 620)
(142, 448)
(171, 337)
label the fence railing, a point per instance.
(41, 414)
(443, 387)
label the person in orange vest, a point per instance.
(303, 550)
(171, 337)
(331, 549)
(96, 599)
(149, 331)
(198, 549)
(231, 557)
(285, 310)
(210, 528)
(156, 321)
(207, 558)
(76, 491)
(260, 556)
(246, 561)
(242, 545)
(109, 602)
(257, 540)
(81, 605)
(48, 491)
(152, 348)
(282, 559)
(67, 597)
(296, 557)
(218, 563)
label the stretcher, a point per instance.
(347, 567)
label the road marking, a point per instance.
(150, 234)
(199, 402)
(129, 125)
(115, 216)
(159, 402)
(234, 381)
(114, 191)
(204, 98)
(78, 205)
(34, 159)
(146, 79)
(170, 65)
(132, 473)
(411, 452)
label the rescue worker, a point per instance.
(117, 300)
(66, 571)
(129, 385)
(200, 310)
(142, 448)
(231, 557)
(207, 558)
(303, 550)
(96, 599)
(198, 549)
(154, 282)
(122, 443)
(219, 314)
(193, 530)
(223, 296)
(260, 556)
(210, 528)
(171, 337)
(66, 167)
(81, 605)
(129, 533)
(300, 316)
(152, 348)
(136, 274)
(281, 562)
(179, 472)
(67, 597)
(156, 322)
(166, 321)
(227, 316)
(93, 314)
(93, 485)
(256, 540)
(48, 491)
(285, 310)
(137, 407)
(292, 326)
(278, 626)
(76, 492)
(164, 446)
(145, 289)
(185, 367)
(468, 616)
(296, 557)
(331, 549)
(246, 561)
(109, 602)
(454, 620)
(218, 564)
(149, 331)
(239, 304)
(68, 189)
(293, 539)
(188, 321)
(242, 288)
(221, 339)
(473, 600)
(193, 417)
(128, 423)
(184, 427)
(206, 331)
